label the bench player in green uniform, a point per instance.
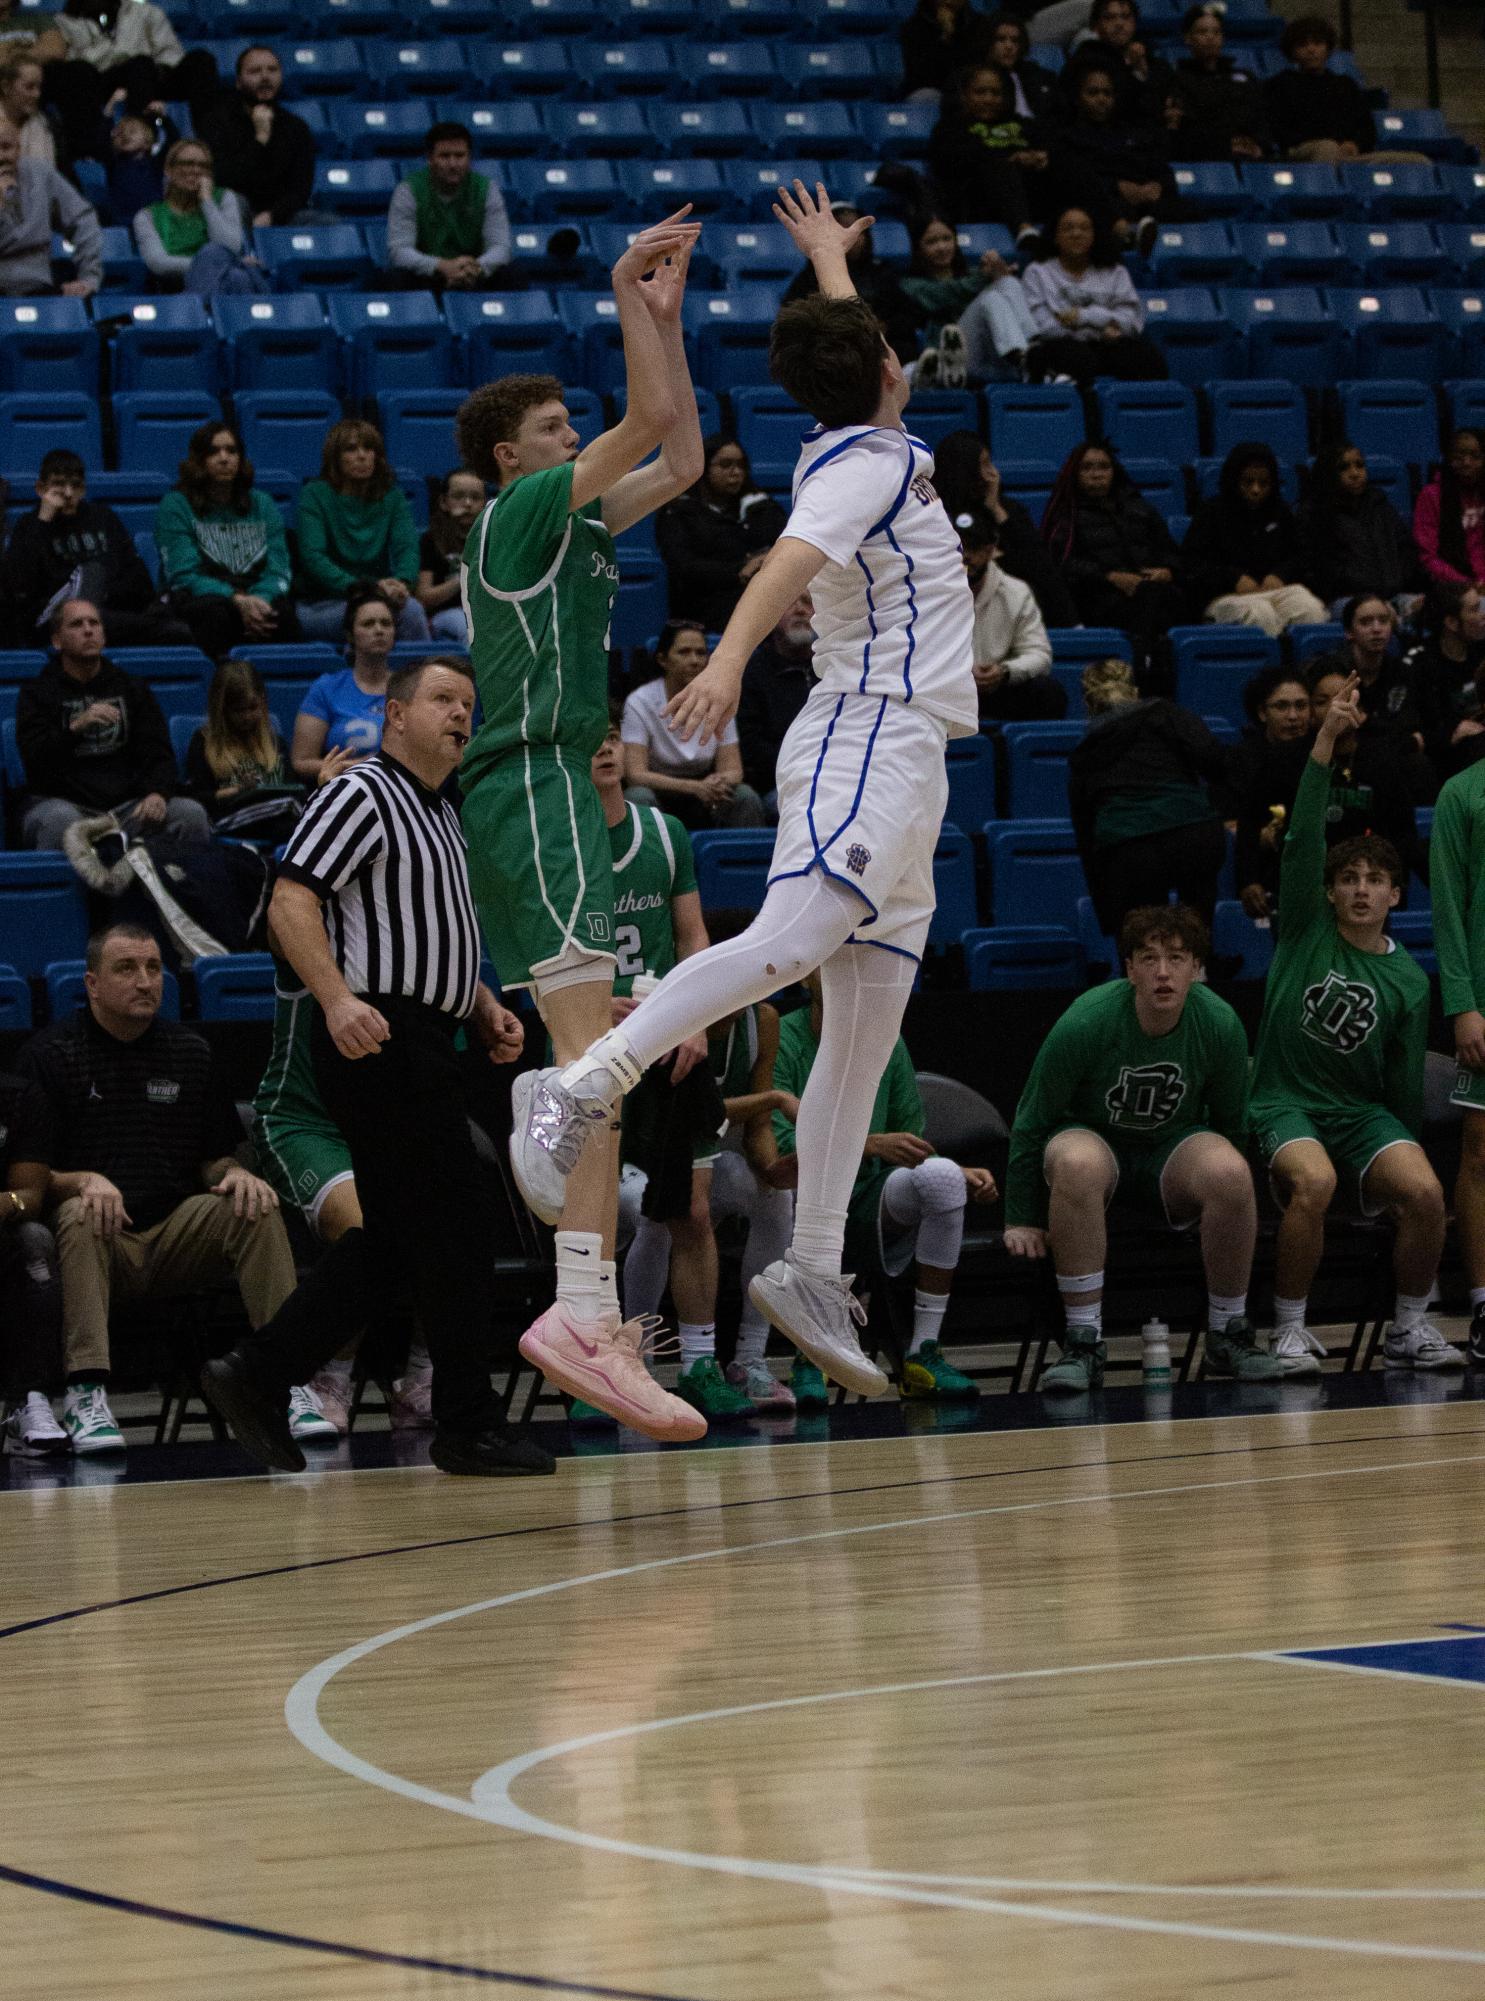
(1338, 1072)
(539, 580)
(1456, 878)
(1140, 1092)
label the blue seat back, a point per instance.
(732, 865)
(46, 344)
(970, 763)
(33, 424)
(284, 429)
(956, 909)
(154, 425)
(1010, 958)
(1038, 421)
(1149, 420)
(1035, 874)
(1036, 769)
(1264, 412)
(236, 987)
(1397, 419)
(43, 910)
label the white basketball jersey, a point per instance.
(894, 614)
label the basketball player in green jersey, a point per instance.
(539, 580)
(1456, 878)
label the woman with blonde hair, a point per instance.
(21, 74)
(1137, 793)
(235, 763)
(355, 527)
(192, 239)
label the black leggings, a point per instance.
(1130, 358)
(1187, 860)
(30, 1311)
(216, 623)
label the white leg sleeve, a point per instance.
(928, 1199)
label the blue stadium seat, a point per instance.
(1395, 253)
(548, 17)
(753, 251)
(32, 425)
(934, 413)
(1035, 421)
(592, 321)
(354, 188)
(43, 911)
(1161, 483)
(160, 342)
(546, 188)
(1305, 641)
(1208, 476)
(1270, 412)
(970, 763)
(1464, 192)
(312, 256)
(646, 183)
(1421, 132)
(1292, 189)
(393, 340)
(512, 129)
(1289, 334)
(826, 130)
(770, 426)
(709, 131)
(896, 131)
(148, 551)
(284, 429)
(244, 17)
(1197, 253)
(1293, 253)
(679, 19)
(1076, 647)
(1211, 191)
(1193, 334)
(378, 131)
(1398, 419)
(554, 253)
(839, 69)
(1393, 333)
(301, 658)
(1462, 315)
(731, 330)
(1036, 768)
(642, 605)
(1147, 420)
(1392, 192)
(508, 333)
(740, 18)
(1235, 936)
(876, 18)
(614, 130)
(124, 270)
(540, 68)
(182, 728)
(283, 342)
(15, 1002)
(957, 908)
(355, 17)
(732, 865)
(46, 344)
(418, 425)
(1390, 477)
(1213, 663)
(236, 987)
(1010, 958)
(708, 411)
(728, 69)
(755, 183)
(1035, 874)
(975, 238)
(21, 663)
(323, 69)
(401, 69)
(1463, 244)
(66, 990)
(154, 426)
(1100, 953)
(623, 69)
(10, 757)
(1464, 403)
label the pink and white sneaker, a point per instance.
(411, 1402)
(604, 1366)
(334, 1392)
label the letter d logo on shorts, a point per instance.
(599, 928)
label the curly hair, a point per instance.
(492, 416)
(1165, 924)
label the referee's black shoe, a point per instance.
(488, 1453)
(257, 1419)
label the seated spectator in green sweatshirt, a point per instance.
(355, 527)
(223, 552)
(447, 225)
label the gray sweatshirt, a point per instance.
(403, 253)
(39, 203)
(1100, 298)
(223, 226)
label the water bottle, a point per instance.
(644, 985)
(1155, 1336)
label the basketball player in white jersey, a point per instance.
(861, 788)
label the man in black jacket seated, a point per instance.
(775, 685)
(259, 150)
(93, 740)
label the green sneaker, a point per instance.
(589, 1414)
(1235, 1352)
(1080, 1369)
(704, 1385)
(925, 1373)
(811, 1391)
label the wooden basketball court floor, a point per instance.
(1146, 1710)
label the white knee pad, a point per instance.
(940, 1185)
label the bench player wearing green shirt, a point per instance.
(539, 580)
(1456, 878)
(1338, 1072)
(1140, 1092)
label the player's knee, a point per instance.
(1472, 1142)
(1422, 1197)
(1079, 1172)
(941, 1186)
(1311, 1186)
(1227, 1180)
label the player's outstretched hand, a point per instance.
(653, 245)
(705, 706)
(1344, 712)
(812, 225)
(665, 288)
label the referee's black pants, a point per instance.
(424, 1240)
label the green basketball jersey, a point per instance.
(539, 583)
(1342, 1029)
(652, 866)
(1098, 1068)
(288, 1089)
(1456, 875)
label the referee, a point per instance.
(373, 911)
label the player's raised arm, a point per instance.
(819, 237)
(708, 704)
(681, 461)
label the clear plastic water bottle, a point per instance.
(1155, 1336)
(644, 985)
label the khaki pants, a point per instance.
(1271, 611)
(198, 1243)
(1329, 150)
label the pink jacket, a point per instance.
(1426, 535)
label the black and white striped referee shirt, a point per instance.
(387, 858)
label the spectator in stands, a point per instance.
(1313, 112)
(35, 203)
(150, 1198)
(976, 324)
(1140, 1094)
(1263, 774)
(989, 164)
(1012, 654)
(447, 228)
(128, 47)
(20, 101)
(1449, 518)
(1385, 691)
(1444, 670)
(907, 1204)
(938, 39)
(224, 556)
(1137, 796)
(1118, 165)
(775, 686)
(236, 764)
(714, 538)
(1244, 559)
(262, 152)
(700, 783)
(1374, 773)
(876, 283)
(1113, 548)
(1086, 311)
(1357, 539)
(1338, 1069)
(967, 477)
(93, 740)
(36, 33)
(1115, 42)
(135, 168)
(461, 495)
(340, 721)
(355, 527)
(70, 546)
(1033, 89)
(1224, 108)
(192, 240)
(30, 1285)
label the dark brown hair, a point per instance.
(1165, 924)
(345, 436)
(1371, 849)
(192, 477)
(492, 416)
(827, 353)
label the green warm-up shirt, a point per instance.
(1456, 877)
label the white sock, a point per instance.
(929, 1309)
(1290, 1312)
(1075, 1287)
(585, 1278)
(1409, 1310)
(819, 1235)
(752, 1336)
(698, 1343)
(1224, 1306)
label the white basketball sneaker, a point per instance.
(549, 1129)
(1421, 1347)
(1300, 1352)
(31, 1429)
(817, 1315)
